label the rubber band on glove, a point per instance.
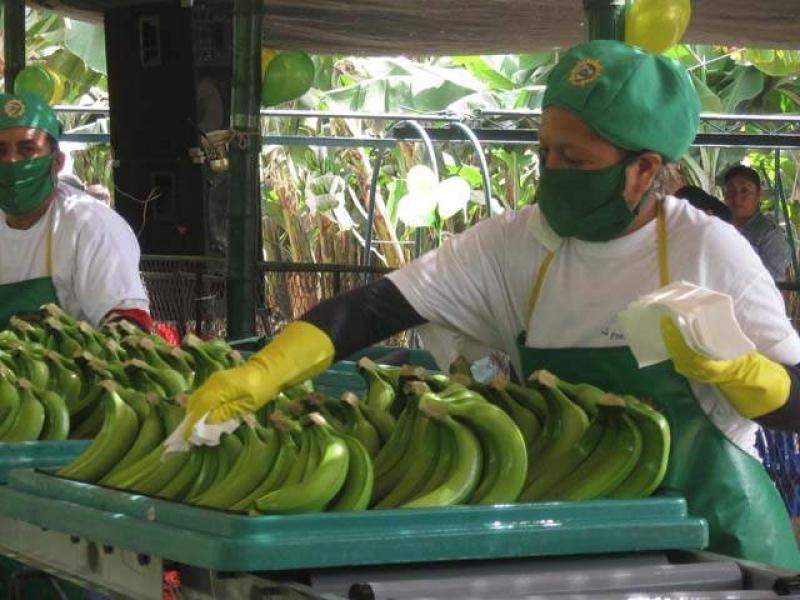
(299, 352)
(752, 383)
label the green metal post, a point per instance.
(605, 19)
(14, 54)
(245, 195)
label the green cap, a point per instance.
(28, 110)
(635, 100)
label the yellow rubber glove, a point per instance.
(752, 383)
(299, 352)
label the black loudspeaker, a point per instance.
(170, 70)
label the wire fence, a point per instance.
(189, 293)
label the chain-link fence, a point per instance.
(189, 293)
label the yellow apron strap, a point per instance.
(663, 262)
(663, 259)
(537, 287)
(48, 245)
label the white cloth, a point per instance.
(479, 284)
(95, 256)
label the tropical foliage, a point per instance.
(315, 199)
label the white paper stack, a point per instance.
(705, 318)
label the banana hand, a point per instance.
(752, 383)
(300, 351)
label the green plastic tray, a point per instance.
(416, 357)
(227, 541)
(38, 454)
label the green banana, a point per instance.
(209, 467)
(383, 422)
(9, 399)
(359, 426)
(652, 466)
(251, 468)
(357, 489)
(506, 458)
(56, 420)
(298, 467)
(333, 413)
(63, 338)
(92, 340)
(445, 462)
(155, 360)
(204, 364)
(389, 374)
(64, 378)
(161, 474)
(35, 370)
(149, 437)
(566, 424)
(180, 484)
(86, 404)
(228, 451)
(87, 424)
(394, 447)
(528, 397)
(583, 394)
(570, 461)
(179, 360)
(170, 415)
(170, 381)
(465, 468)
(419, 464)
(28, 332)
(117, 435)
(29, 419)
(320, 486)
(438, 382)
(388, 476)
(380, 393)
(526, 419)
(609, 465)
(138, 401)
(284, 460)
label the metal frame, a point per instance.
(376, 169)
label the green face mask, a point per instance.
(25, 184)
(588, 205)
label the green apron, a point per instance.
(20, 298)
(28, 295)
(721, 482)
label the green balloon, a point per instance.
(289, 75)
(35, 79)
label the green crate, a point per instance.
(232, 542)
(343, 375)
(412, 356)
(38, 454)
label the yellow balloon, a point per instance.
(657, 25)
(267, 54)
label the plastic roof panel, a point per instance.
(386, 27)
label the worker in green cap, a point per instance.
(545, 284)
(57, 244)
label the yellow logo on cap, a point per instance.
(14, 108)
(585, 72)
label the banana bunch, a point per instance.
(415, 439)
(591, 444)
(59, 367)
(28, 413)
